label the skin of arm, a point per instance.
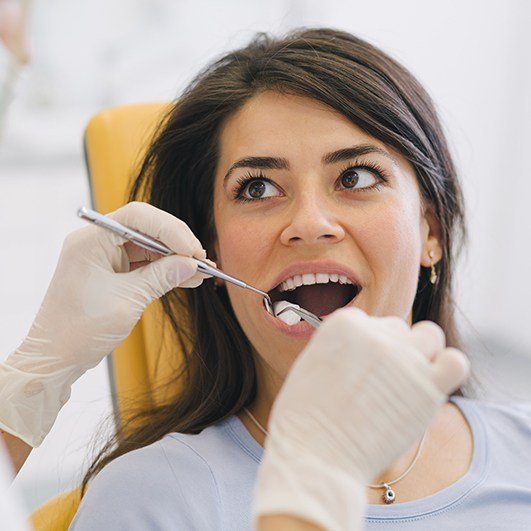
(17, 449)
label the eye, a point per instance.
(253, 188)
(360, 178)
(357, 178)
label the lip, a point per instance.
(318, 266)
(303, 330)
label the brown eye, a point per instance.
(350, 178)
(256, 188)
(359, 178)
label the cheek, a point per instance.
(242, 245)
(244, 249)
(392, 233)
(389, 240)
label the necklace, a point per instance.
(389, 496)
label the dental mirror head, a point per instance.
(305, 315)
(268, 305)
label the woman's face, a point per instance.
(313, 210)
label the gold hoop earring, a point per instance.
(433, 274)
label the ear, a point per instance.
(431, 237)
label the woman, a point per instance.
(313, 150)
(313, 473)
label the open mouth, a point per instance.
(320, 299)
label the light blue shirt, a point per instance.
(206, 481)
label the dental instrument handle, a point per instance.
(153, 245)
(132, 235)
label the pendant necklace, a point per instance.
(389, 496)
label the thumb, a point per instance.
(166, 273)
(451, 369)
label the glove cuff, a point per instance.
(30, 402)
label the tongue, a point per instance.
(322, 299)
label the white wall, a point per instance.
(472, 57)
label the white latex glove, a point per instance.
(93, 302)
(358, 396)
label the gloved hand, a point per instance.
(93, 302)
(356, 398)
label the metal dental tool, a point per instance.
(307, 316)
(153, 245)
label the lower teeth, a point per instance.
(290, 318)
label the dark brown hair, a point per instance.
(177, 175)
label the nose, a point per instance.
(312, 220)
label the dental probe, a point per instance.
(151, 244)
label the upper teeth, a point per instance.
(311, 278)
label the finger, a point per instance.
(165, 274)
(136, 265)
(352, 320)
(198, 278)
(428, 337)
(213, 264)
(139, 254)
(193, 282)
(139, 257)
(451, 369)
(347, 315)
(160, 225)
(395, 324)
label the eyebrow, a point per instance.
(277, 163)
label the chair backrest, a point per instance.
(115, 142)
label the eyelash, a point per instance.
(374, 167)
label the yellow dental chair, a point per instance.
(115, 140)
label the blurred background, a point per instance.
(473, 57)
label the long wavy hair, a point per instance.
(177, 175)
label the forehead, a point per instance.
(287, 125)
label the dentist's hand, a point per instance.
(96, 296)
(356, 398)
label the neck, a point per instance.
(268, 388)
(448, 423)
(445, 455)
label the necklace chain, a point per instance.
(384, 485)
